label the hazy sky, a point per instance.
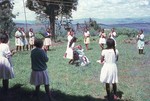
(19, 8)
(98, 9)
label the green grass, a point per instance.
(71, 83)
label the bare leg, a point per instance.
(27, 47)
(65, 55)
(31, 46)
(102, 46)
(142, 51)
(20, 48)
(86, 46)
(23, 47)
(71, 61)
(17, 48)
(139, 51)
(48, 47)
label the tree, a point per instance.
(6, 22)
(93, 24)
(52, 8)
(130, 32)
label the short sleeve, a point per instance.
(103, 52)
(117, 52)
(142, 36)
(114, 34)
(7, 51)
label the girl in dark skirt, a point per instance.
(39, 74)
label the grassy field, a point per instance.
(71, 83)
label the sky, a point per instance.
(20, 9)
(97, 9)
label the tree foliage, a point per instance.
(127, 31)
(6, 22)
(52, 8)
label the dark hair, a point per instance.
(4, 38)
(141, 30)
(38, 43)
(111, 44)
(30, 29)
(72, 40)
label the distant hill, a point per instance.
(137, 26)
(135, 23)
(107, 21)
(110, 21)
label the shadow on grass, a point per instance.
(17, 93)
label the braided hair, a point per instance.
(72, 41)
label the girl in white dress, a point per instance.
(47, 40)
(6, 68)
(70, 35)
(86, 38)
(31, 38)
(140, 42)
(102, 39)
(109, 74)
(70, 53)
(18, 39)
(112, 35)
(25, 41)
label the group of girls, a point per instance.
(39, 73)
(22, 42)
(103, 37)
(75, 53)
(109, 56)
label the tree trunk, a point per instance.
(52, 24)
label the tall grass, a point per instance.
(72, 83)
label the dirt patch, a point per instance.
(131, 40)
(57, 43)
(134, 41)
(147, 42)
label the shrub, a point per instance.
(127, 31)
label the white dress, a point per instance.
(18, 38)
(47, 40)
(31, 38)
(6, 69)
(112, 36)
(25, 41)
(140, 43)
(102, 39)
(86, 37)
(109, 73)
(69, 50)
